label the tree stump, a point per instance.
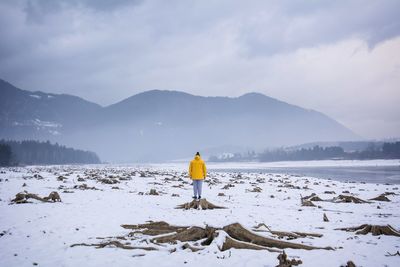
(285, 262)
(373, 229)
(349, 199)
(202, 204)
(23, 197)
(381, 197)
(197, 238)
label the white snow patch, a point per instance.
(36, 96)
(47, 124)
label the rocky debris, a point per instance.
(108, 181)
(285, 262)
(221, 194)
(85, 187)
(175, 195)
(325, 218)
(202, 204)
(80, 179)
(254, 190)
(329, 192)
(288, 185)
(373, 229)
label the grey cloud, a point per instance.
(108, 50)
(297, 24)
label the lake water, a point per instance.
(368, 174)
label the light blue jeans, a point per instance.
(197, 184)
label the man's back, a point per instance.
(197, 169)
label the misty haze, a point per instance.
(193, 133)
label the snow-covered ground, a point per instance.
(42, 233)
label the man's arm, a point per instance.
(204, 170)
(190, 170)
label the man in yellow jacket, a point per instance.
(197, 172)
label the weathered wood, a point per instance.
(112, 243)
(201, 204)
(373, 229)
(237, 231)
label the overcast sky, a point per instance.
(338, 57)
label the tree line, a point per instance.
(385, 151)
(30, 152)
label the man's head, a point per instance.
(197, 154)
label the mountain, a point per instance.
(38, 115)
(161, 125)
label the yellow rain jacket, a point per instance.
(197, 169)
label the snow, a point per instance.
(46, 124)
(43, 232)
(36, 96)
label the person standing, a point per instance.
(197, 172)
